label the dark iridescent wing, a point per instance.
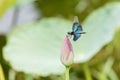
(79, 29)
(76, 36)
(77, 33)
(75, 24)
(74, 27)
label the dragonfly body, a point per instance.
(76, 30)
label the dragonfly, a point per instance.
(76, 30)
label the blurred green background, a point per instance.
(104, 65)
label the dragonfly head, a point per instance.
(70, 33)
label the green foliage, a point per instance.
(1, 73)
(69, 8)
(38, 44)
(5, 5)
(99, 27)
(35, 48)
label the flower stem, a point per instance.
(87, 72)
(67, 73)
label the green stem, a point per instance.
(28, 77)
(67, 73)
(87, 72)
(11, 74)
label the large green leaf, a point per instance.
(99, 26)
(35, 48)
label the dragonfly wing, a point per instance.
(75, 24)
(74, 27)
(79, 29)
(76, 36)
(77, 33)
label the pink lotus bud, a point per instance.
(67, 55)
